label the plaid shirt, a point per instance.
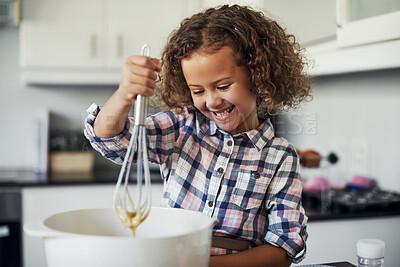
(249, 182)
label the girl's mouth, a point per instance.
(223, 114)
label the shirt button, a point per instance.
(229, 143)
(257, 175)
(220, 170)
(210, 203)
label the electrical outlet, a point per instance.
(339, 172)
(353, 157)
(359, 157)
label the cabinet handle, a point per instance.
(341, 12)
(17, 12)
(4, 231)
(120, 46)
(93, 45)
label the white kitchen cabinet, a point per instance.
(329, 58)
(42, 201)
(367, 21)
(298, 17)
(367, 38)
(134, 23)
(310, 21)
(87, 41)
(62, 34)
(342, 36)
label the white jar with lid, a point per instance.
(370, 252)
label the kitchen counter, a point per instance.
(21, 178)
(328, 215)
(99, 176)
(351, 204)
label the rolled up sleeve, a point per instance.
(287, 219)
(113, 148)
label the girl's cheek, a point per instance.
(196, 103)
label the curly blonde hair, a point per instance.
(274, 59)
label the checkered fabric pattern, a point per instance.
(249, 182)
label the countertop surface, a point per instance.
(351, 203)
(29, 178)
(314, 211)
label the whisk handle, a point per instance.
(141, 102)
(141, 105)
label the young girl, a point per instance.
(222, 72)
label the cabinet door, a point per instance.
(63, 34)
(133, 23)
(310, 21)
(367, 21)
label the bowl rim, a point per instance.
(40, 228)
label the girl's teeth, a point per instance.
(222, 114)
(226, 112)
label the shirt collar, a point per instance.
(262, 134)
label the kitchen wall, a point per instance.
(352, 115)
(357, 117)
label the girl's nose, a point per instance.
(213, 101)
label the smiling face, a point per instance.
(220, 90)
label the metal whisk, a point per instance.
(132, 212)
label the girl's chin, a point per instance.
(227, 128)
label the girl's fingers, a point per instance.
(139, 81)
(141, 66)
(143, 72)
(133, 90)
(138, 77)
(128, 92)
(157, 64)
(150, 63)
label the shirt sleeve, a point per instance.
(113, 148)
(162, 132)
(287, 219)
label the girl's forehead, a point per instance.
(201, 58)
(204, 69)
(205, 52)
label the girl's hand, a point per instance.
(138, 77)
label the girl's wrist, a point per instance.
(124, 99)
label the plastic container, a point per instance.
(370, 252)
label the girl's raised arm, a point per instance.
(138, 77)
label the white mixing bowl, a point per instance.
(95, 237)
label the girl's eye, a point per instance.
(224, 87)
(198, 92)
